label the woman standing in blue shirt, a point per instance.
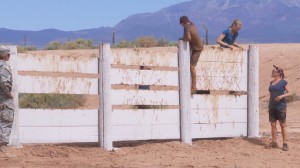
(279, 90)
(228, 36)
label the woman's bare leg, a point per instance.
(274, 131)
(283, 131)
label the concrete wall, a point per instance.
(144, 96)
(61, 72)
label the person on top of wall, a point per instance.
(196, 45)
(6, 99)
(227, 37)
(279, 90)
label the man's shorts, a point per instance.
(195, 57)
(276, 114)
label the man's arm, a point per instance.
(187, 34)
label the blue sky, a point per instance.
(73, 14)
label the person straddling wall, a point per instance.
(6, 99)
(196, 45)
(227, 38)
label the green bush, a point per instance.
(71, 45)
(146, 41)
(22, 49)
(78, 44)
(54, 45)
(50, 101)
(163, 42)
(124, 44)
(172, 43)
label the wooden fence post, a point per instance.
(185, 91)
(105, 111)
(253, 91)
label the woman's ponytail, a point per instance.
(235, 23)
(279, 71)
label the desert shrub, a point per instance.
(124, 44)
(172, 43)
(71, 45)
(163, 42)
(166, 43)
(50, 101)
(85, 44)
(78, 44)
(54, 45)
(22, 49)
(146, 41)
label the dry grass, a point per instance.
(51, 101)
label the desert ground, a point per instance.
(227, 152)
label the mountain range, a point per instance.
(264, 21)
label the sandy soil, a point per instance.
(235, 152)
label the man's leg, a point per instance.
(194, 60)
(194, 79)
(6, 122)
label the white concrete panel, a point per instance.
(144, 77)
(146, 132)
(222, 83)
(63, 85)
(219, 130)
(216, 54)
(57, 118)
(58, 134)
(214, 116)
(57, 63)
(161, 56)
(218, 102)
(144, 97)
(222, 69)
(145, 117)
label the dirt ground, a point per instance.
(232, 152)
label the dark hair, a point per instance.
(279, 71)
(183, 19)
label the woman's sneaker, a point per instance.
(285, 147)
(272, 145)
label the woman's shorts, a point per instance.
(277, 114)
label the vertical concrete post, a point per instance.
(105, 111)
(14, 139)
(185, 91)
(253, 91)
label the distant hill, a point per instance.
(265, 21)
